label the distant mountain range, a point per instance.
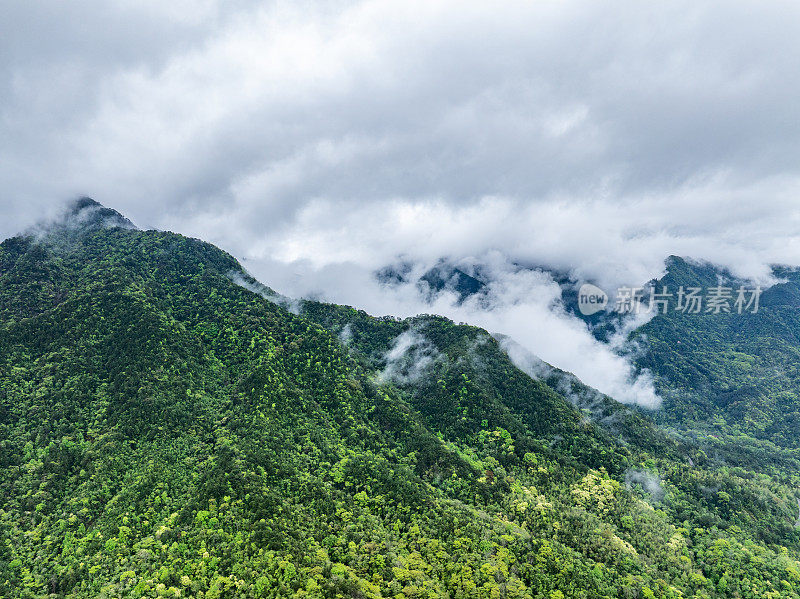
(720, 373)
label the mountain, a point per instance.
(442, 277)
(721, 373)
(726, 375)
(168, 428)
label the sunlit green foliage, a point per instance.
(167, 433)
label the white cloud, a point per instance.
(330, 138)
(409, 358)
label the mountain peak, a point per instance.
(87, 212)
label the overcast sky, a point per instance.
(318, 141)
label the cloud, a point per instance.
(523, 304)
(246, 281)
(319, 141)
(409, 358)
(244, 117)
(650, 483)
(346, 334)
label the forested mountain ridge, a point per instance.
(730, 381)
(731, 378)
(165, 431)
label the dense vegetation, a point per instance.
(730, 381)
(166, 432)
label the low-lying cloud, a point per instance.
(409, 358)
(647, 481)
(292, 305)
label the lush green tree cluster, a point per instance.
(165, 432)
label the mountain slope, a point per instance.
(729, 374)
(167, 432)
